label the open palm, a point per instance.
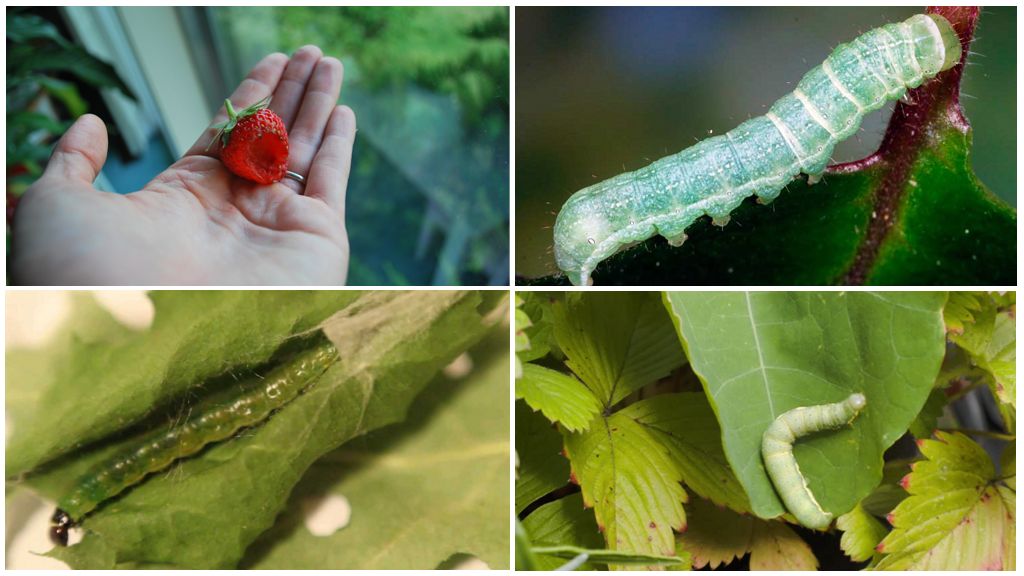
(196, 223)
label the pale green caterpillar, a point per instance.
(777, 451)
(217, 421)
(761, 155)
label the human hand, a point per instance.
(196, 223)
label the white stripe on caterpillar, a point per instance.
(777, 451)
(761, 155)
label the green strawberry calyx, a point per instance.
(225, 128)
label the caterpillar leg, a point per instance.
(720, 221)
(813, 179)
(677, 240)
(60, 523)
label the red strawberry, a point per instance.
(254, 143)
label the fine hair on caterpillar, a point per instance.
(781, 465)
(222, 416)
(760, 156)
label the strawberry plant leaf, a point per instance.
(761, 354)
(685, 424)
(958, 515)
(912, 213)
(984, 325)
(861, 533)
(775, 546)
(562, 522)
(561, 397)
(718, 536)
(522, 338)
(542, 468)
(432, 487)
(630, 480)
(616, 342)
(209, 508)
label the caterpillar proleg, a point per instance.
(761, 155)
(777, 451)
(158, 449)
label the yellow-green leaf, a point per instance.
(560, 397)
(958, 516)
(632, 483)
(861, 533)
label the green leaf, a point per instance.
(420, 492)
(24, 27)
(561, 397)
(522, 339)
(631, 481)
(1008, 465)
(542, 468)
(685, 425)
(539, 307)
(957, 516)
(775, 546)
(861, 533)
(717, 536)
(925, 421)
(564, 522)
(196, 336)
(913, 213)
(71, 59)
(607, 556)
(761, 354)
(616, 342)
(209, 509)
(984, 325)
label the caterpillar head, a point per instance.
(581, 231)
(936, 43)
(60, 523)
(857, 401)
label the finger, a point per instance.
(81, 152)
(289, 91)
(259, 84)
(321, 97)
(328, 175)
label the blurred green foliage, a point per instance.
(428, 196)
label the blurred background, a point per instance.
(602, 91)
(428, 198)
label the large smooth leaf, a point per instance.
(958, 516)
(206, 511)
(422, 491)
(761, 354)
(912, 213)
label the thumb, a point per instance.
(81, 152)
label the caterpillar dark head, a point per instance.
(60, 523)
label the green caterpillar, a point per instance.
(777, 451)
(158, 449)
(760, 156)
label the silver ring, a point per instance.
(295, 176)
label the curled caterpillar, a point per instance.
(777, 451)
(761, 155)
(158, 449)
